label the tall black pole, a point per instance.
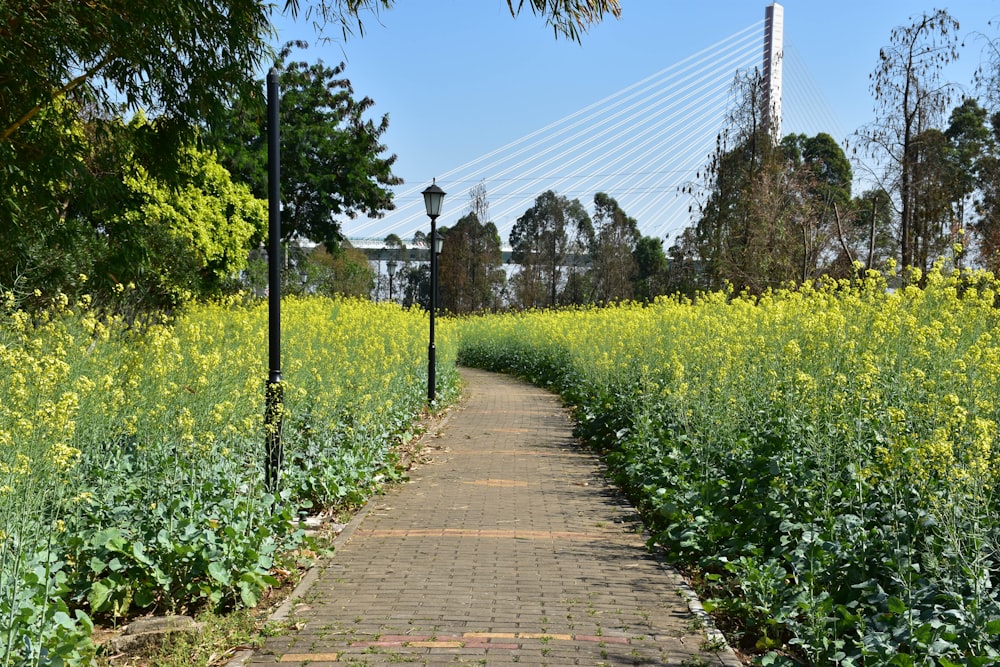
(274, 393)
(431, 371)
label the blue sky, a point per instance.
(460, 78)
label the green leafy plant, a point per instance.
(821, 459)
(131, 471)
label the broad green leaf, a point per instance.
(99, 594)
(139, 553)
(219, 573)
(63, 620)
(249, 594)
(144, 597)
(896, 605)
(84, 620)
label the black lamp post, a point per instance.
(274, 394)
(433, 198)
(391, 266)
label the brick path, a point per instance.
(508, 546)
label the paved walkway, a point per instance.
(508, 546)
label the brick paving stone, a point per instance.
(507, 546)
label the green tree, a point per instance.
(164, 219)
(57, 58)
(176, 229)
(818, 184)
(865, 234)
(332, 157)
(181, 62)
(829, 165)
(946, 172)
(909, 96)
(345, 271)
(470, 270)
(935, 177)
(613, 265)
(969, 134)
(395, 247)
(568, 18)
(578, 288)
(651, 268)
(416, 285)
(987, 223)
(396, 262)
(972, 145)
(770, 212)
(742, 235)
(541, 243)
(39, 246)
(178, 58)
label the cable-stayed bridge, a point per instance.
(641, 145)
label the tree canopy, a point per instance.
(567, 18)
(166, 225)
(69, 71)
(470, 270)
(542, 242)
(332, 157)
(909, 96)
(176, 59)
(613, 267)
(769, 211)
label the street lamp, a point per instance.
(391, 266)
(433, 198)
(274, 393)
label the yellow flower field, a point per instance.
(825, 456)
(131, 466)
